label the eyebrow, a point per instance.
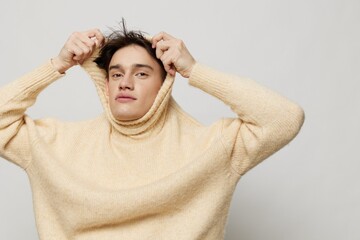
(136, 65)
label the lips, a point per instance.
(124, 97)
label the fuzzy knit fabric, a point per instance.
(163, 176)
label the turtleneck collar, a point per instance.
(133, 127)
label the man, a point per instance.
(144, 169)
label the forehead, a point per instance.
(132, 54)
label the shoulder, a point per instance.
(186, 118)
(188, 124)
(50, 128)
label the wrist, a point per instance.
(58, 65)
(189, 70)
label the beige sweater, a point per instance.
(164, 176)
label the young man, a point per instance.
(144, 169)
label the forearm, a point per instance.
(15, 98)
(253, 103)
(266, 120)
(20, 94)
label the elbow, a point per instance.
(299, 116)
(295, 121)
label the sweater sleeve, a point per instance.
(15, 98)
(266, 120)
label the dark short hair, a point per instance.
(121, 38)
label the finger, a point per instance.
(161, 47)
(78, 52)
(92, 44)
(169, 69)
(85, 47)
(161, 36)
(96, 36)
(90, 38)
(168, 61)
(164, 45)
(86, 39)
(168, 52)
(69, 50)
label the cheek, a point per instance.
(150, 92)
(111, 90)
(153, 90)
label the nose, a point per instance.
(126, 83)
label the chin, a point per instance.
(123, 117)
(127, 114)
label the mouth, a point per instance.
(124, 98)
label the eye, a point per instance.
(142, 75)
(116, 75)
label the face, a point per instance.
(133, 82)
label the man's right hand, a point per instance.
(77, 49)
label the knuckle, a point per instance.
(75, 34)
(96, 30)
(90, 44)
(179, 42)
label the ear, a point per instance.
(107, 86)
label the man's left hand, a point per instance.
(173, 54)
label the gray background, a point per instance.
(307, 50)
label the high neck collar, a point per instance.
(138, 126)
